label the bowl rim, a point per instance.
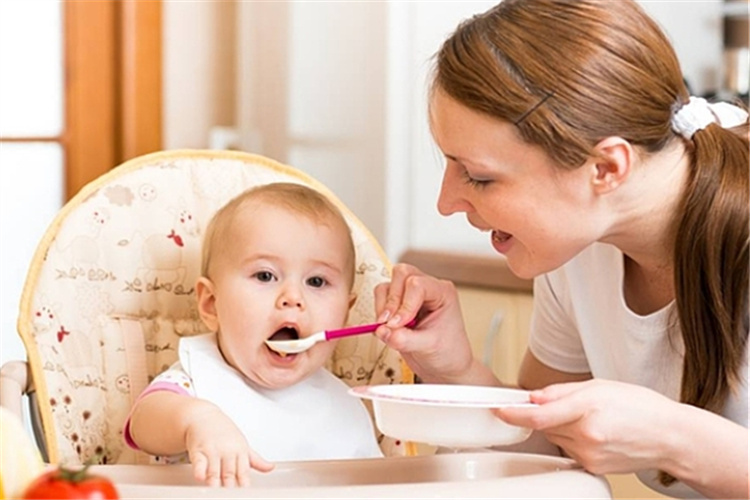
(374, 393)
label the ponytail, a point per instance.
(711, 267)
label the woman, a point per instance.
(570, 137)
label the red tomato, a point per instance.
(62, 483)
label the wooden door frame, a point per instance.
(113, 72)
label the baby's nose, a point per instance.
(291, 303)
(290, 297)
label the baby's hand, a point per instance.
(219, 451)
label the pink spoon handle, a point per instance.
(358, 330)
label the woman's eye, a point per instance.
(316, 282)
(264, 276)
(468, 179)
(466, 176)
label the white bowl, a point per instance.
(455, 416)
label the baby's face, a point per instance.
(279, 273)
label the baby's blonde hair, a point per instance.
(295, 198)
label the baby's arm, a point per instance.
(171, 421)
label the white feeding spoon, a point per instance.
(300, 345)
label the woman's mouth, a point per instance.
(501, 240)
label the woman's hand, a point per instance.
(612, 427)
(608, 427)
(218, 450)
(437, 348)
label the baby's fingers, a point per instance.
(244, 466)
(259, 463)
(229, 470)
(206, 470)
(245, 463)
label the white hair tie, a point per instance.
(698, 114)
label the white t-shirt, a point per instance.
(581, 323)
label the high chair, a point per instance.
(110, 291)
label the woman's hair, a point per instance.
(296, 198)
(571, 73)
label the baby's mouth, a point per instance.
(284, 333)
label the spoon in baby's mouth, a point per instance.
(300, 345)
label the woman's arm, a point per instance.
(707, 452)
(535, 375)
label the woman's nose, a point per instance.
(451, 199)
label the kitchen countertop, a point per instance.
(481, 271)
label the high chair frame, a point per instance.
(110, 291)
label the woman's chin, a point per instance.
(521, 268)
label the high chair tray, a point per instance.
(457, 475)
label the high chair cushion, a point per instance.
(111, 290)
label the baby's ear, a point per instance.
(352, 299)
(204, 292)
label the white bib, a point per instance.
(315, 419)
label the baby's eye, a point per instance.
(316, 282)
(264, 276)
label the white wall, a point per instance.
(695, 30)
(311, 94)
(338, 89)
(198, 71)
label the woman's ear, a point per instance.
(612, 164)
(204, 292)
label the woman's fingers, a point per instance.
(411, 301)
(389, 298)
(557, 391)
(542, 417)
(380, 293)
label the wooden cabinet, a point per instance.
(497, 323)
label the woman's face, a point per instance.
(538, 215)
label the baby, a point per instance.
(278, 263)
